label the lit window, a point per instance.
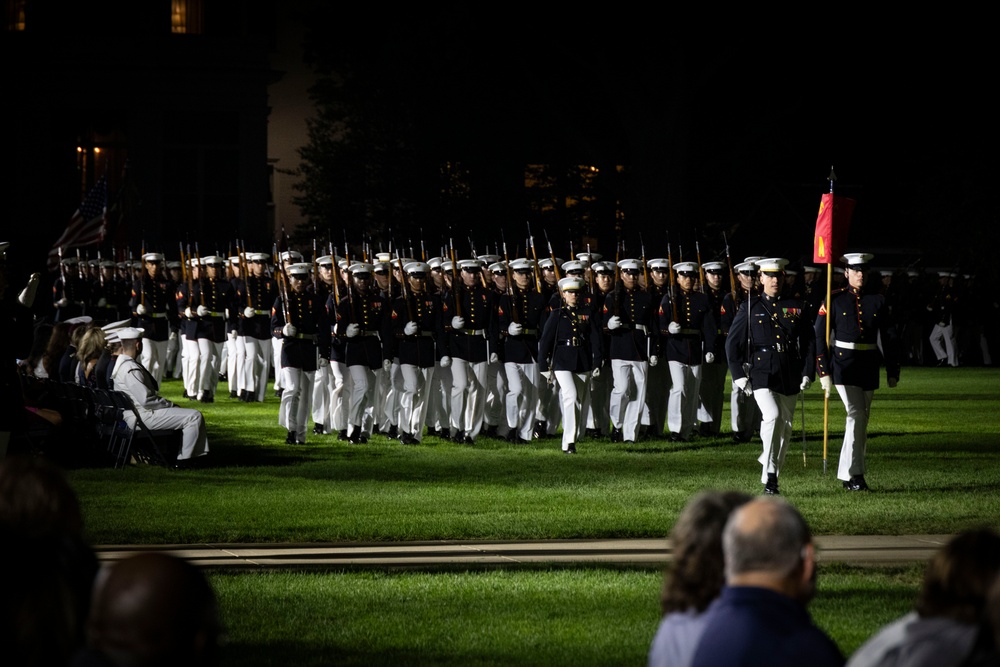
(15, 15)
(185, 16)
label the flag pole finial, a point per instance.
(832, 178)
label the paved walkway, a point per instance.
(853, 549)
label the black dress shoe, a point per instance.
(616, 435)
(393, 431)
(318, 429)
(571, 449)
(771, 487)
(491, 431)
(407, 439)
(739, 438)
(467, 440)
(232, 394)
(290, 438)
(856, 483)
(677, 437)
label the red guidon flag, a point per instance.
(832, 223)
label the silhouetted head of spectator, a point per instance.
(698, 571)
(155, 609)
(959, 576)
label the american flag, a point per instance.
(87, 225)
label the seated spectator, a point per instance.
(78, 326)
(48, 570)
(92, 345)
(32, 364)
(950, 613)
(156, 412)
(695, 578)
(152, 609)
(761, 617)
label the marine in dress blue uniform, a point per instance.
(770, 350)
(851, 361)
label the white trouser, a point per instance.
(322, 388)
(549, 406)
(296, 399)
(858, 404)
(942, 341)
(496, 397)
(628, 395)
(439, 400)
(654, 412)
(234, 363)
(340, 397)
(682, 409)
(713, 386)
(209, 360)
(744, 414)
(468, 396)
(257, 365)
(574, 393)
(413, 399)
(191, 361)
(361, 405)
(194, 442)
(599, 414)
(777, 411)
(521, 399)
(391, 393)
(276, 361)
(173, 358)
(154, 357)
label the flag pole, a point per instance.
(829, 283)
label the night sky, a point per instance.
(734, 126)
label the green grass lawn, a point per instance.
(934, 462)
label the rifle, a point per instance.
(534, 256)
(732, 276)
(336, 276)
(315, 272)
(282, 282)
(590, 274)
(454, 279)
(642, 258)
(482, 278)
(62, 274)
(241, 251)
(552, 254)
(190, 279)
(142, 275)
(100, 273)
(701, 271)
(402, 283)
(423, 251)
(673, 281)
(201, 279)
(510, 286)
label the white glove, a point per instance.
(445, 362)
(457, 323)
(140, 309)
(709, 358)
(352, 330)
(515, 329)
(387, 365)
(892, 382)
(102, 302)
(203, 311)
(547, 375)
(653, 360)
(289, 331)
(63, 302)
(248, 312)
(27, 295)
(741, 383)
(614, 322)
(596, 372)
(323, 362)
(494, 357)
(827, 383)
(411, 329)
(173, 335)
(806, 383)
(233, 335)
(674, 328)
(187, 313)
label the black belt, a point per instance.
(769, 348)
(570, 342)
